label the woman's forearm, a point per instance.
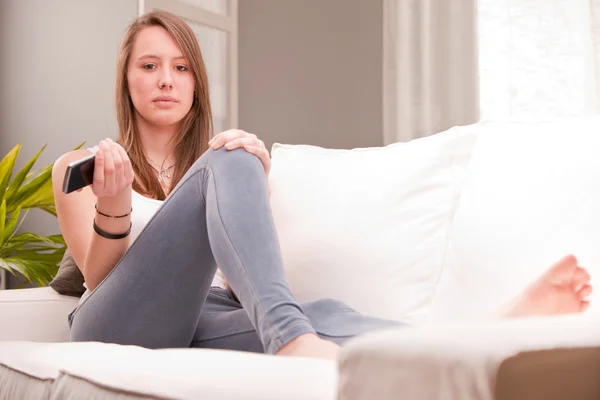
(103, 254)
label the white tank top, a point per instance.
(144, 209)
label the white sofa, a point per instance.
(437, 233)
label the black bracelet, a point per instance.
(110, 235)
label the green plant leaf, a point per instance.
(2, 220)
(22, 175)
(34, 256)
(31, 242)
(20, 222)
(54, 256)
(27, 237)
(6, 266)
(36, 192)
(58, 239)
(38, 272)
(37, 263)
(6, 167)
(16, 249)
(11, 224)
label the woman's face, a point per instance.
(160, 84)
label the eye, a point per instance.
(181, 68)
(149, 66)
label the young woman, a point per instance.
(169, 210)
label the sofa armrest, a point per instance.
(555, 374)
(451, 361)
(37, 314)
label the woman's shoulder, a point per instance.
(61, 164)
(64, 160)
(69, 157)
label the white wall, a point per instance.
(57, 77)
(311, 71)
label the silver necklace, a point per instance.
(163, 173)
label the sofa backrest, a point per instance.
(370, 226)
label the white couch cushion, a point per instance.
(368, 226)
(531, 196)
(37, 314)
(168, 373)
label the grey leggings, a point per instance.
(159, 293)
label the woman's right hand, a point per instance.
(109, 193)
(112, 169)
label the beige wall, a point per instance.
(311, 71)
(56, 75)
(58, 65)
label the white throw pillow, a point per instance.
(368, 226)
(531, 196)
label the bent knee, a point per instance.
(229, 160)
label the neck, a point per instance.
(157, 142)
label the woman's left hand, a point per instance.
(236, 138)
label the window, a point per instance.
(537, 58)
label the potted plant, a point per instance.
(34, 256)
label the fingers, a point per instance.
(118, 162)
(236, 138)
(109, 167)
(98, 183)
(260, 152)
(127, 167)
(263, 156)
(244, 141)
(223, 138)
(113, 170)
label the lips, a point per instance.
(165, 99)
(164, 102)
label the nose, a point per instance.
(166, 79)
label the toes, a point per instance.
(584, 292)
(584, 306)
(568, 259)
(563, 271)
(581, 277)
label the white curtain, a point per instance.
(457, 62)
(430, 67)
(538, 59)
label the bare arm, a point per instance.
(95, 255)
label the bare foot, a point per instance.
(562, 289)
(312, 346)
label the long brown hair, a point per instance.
(196, 127)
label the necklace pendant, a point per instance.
(164, 174)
